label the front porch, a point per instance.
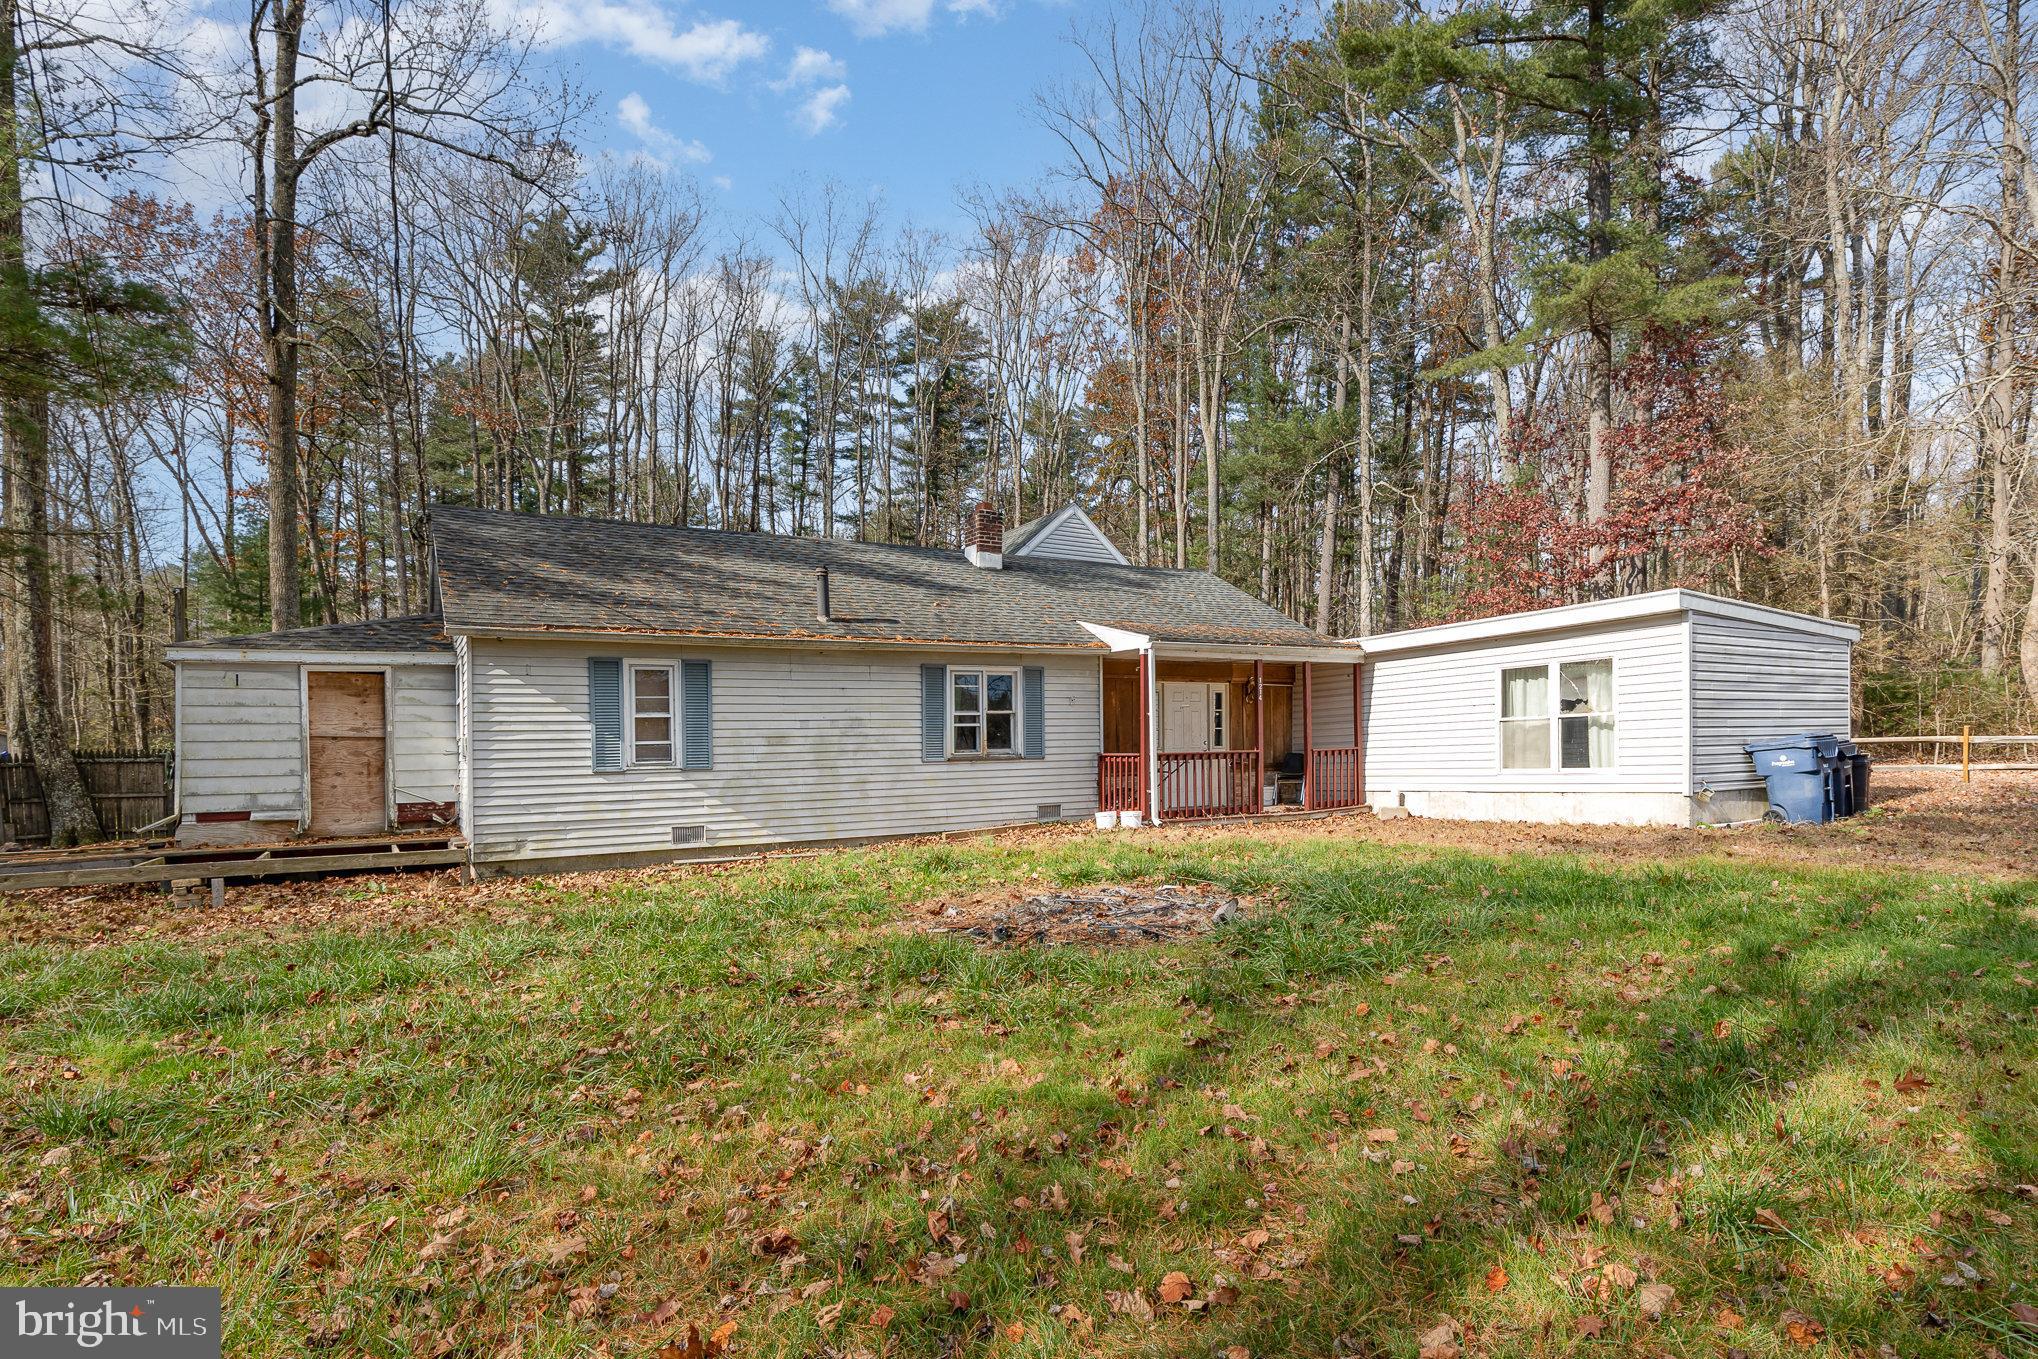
(1191, 736)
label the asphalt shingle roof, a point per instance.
(423, 633)
(1016, 538)
(539, 573)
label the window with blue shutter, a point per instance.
(605, 710)
(1033, 713)
(933, 712)
(697, 715)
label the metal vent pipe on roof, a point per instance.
(821, 595)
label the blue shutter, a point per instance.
(1033, 713)
(697, 715)
(933, 712)
(605, 710)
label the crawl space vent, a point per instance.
(689, 835)
(1048, 811)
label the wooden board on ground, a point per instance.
(349, 750)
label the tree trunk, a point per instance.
(1599, 219)
(24, 432)
(1326, 553)
(276, 223)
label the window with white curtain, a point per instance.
(1525, 717)
(1585, 714)
(1559, 713)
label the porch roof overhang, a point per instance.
(1121, 641)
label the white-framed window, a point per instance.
(983, 712)
(1559, 713)
(654, 713)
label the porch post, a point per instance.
(1146, 797)
(1308, 736)
(1358, 737)
(1259, 803)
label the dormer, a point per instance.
(1067, 534)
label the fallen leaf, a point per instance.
(1175, 1287)
(1129, 1303)
(1619, 1276)
(880, 1316)
(1802, 1330)
(1654, 1299)
(1496, 1279)
(1590, 1326)
(1911, 1082)
(1440, 1340)
(1770, 1220)
(1382, 1135)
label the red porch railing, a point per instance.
(1336, 778)
(1209, 782)
(1118, 783)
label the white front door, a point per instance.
(1186, 715)
(1192, 720)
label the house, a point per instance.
(1629, 711)
(588, 691)
(598, 691)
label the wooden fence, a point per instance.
(130, 789)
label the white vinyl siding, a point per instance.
(240, 734)
(1071, 540)
(425, 735)
(1751, 679)
(1433, 717)
(807, 746)
(1330, 707)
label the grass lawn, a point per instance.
(1421, 1101)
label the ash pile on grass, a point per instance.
(1097, 915)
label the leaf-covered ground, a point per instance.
(1423, 1100)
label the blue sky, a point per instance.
(915, 99)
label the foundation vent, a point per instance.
(1047, 811)
(683, 836)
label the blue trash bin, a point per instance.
(1799, 775)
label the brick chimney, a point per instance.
(985, 546)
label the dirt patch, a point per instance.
(1091, 915)
(1921, 820)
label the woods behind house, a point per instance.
(1389, 315)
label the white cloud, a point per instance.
(822, 109)
(988, 8)
(723, 182)
(811, 66)
(706, 51)
(661, 148)
(872, 18)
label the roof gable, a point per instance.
(1068, 534)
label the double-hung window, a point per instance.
(983, 712)
(1561, 711)
(654, 711)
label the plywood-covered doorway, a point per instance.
(349, 755)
